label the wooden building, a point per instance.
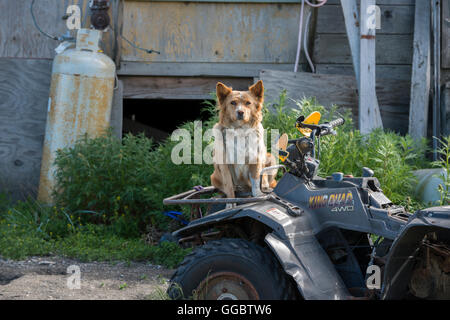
(200, 42)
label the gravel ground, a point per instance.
(47, 278)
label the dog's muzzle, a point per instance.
(240, 115)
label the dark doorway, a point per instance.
(159, 118)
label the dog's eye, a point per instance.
(233, 103)
(248, 103)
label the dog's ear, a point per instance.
(257, 90)
(222, 91)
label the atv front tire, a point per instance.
(231, 269)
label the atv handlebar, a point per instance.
(321, 129)
(337, 122)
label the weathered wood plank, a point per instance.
(230, 1)
(177, 87)
(390, 92)
(445, 75)
(394, 19)
(329, 90)
(369, 111)
(389, 2)
(352, 23)
(446, 106)
(117, 9)
(398, 72)
(393, 95)
(383, 2)
(211, 32)
(24, 91)
(117, 110)
(390, 49)
(186, 69)
(421, 71)
(446, 34)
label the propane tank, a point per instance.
(81, 94)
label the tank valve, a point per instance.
(99, 14)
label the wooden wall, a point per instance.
(394, 40)
(445, 63)
(446, 36)
(229, 38)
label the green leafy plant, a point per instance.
(392, 157)
(444, 164)
(48, 221)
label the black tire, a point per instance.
(231, 269)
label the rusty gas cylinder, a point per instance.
(81, 94)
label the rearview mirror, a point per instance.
(313, 118)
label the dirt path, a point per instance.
(47, 279)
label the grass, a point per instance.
(26, 232)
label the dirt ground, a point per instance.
(47, 278)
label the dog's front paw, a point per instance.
(257, 193)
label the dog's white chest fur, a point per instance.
(244, 146)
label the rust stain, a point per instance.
(367, 36)
(74, 117)
(44, 183)
(62, 58)
(83, 106)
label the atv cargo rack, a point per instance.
(192, 197)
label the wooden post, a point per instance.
(351, 17)
(446, 34)
(118, 26)
(369, 111)
(421, 69)
(116, 120)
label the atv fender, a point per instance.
(304, 259)
(292, 241)
(401, 256)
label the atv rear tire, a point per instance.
(231, 269)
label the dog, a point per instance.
(240, 116)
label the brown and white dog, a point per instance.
(240, 116)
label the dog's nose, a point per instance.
(240, 115)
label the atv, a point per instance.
(314, 238)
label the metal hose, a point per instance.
(300, 30)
